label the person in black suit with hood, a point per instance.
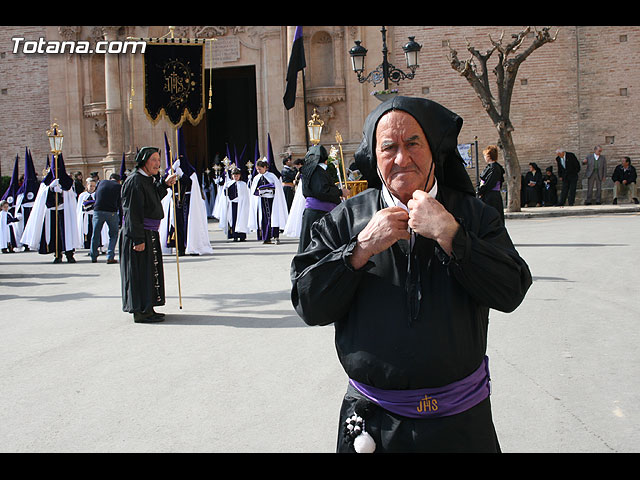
(407, 272)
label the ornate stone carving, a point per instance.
(97, 111)
(250, 37)
(216, 31)
(69, 33)
(181, 31)
(326, 95)
(100, 127)
(95, 35)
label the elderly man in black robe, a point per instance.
(141, 269)
(407, 272)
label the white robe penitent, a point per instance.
(279, 211)
(198, 242)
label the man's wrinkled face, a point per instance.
(152, 165)
(403, 155)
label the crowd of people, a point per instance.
(266, 200)
(73, 213)
(272, 202)
(549, 189)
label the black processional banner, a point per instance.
(174, 82)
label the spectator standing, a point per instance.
(596, 170)
(491, 181)
(568, 168)
(107, 209)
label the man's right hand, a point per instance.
(385, 228)
(139, 247)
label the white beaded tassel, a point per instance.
(364, 442)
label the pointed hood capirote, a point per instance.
(441, 127)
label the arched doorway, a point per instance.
(232, 119)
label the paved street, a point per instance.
(235, 370)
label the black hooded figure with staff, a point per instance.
(407, 272)
(321, 194)
(141, 269)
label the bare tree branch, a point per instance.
(498, 107)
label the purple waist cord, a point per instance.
(315, 204)
(432, 402)
(151, 224)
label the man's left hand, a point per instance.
(429, 218)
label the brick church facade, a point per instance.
(574, 93)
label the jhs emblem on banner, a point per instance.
(174, 84)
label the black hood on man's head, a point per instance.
(441, 127)
(143, 155)
(316, 154)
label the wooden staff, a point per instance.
(55, 194)
(175, 225)
(344, 171)
(336, 161)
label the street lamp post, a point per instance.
(386, 71)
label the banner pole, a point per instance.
(175, 225)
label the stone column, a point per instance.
(113, 109)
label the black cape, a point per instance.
(316, 183)
(377, 341)
(141, 273)
(491, 176)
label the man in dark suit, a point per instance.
(596, 170)
(568, 168)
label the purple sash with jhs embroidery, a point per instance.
(432, 402)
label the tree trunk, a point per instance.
(512, 167)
